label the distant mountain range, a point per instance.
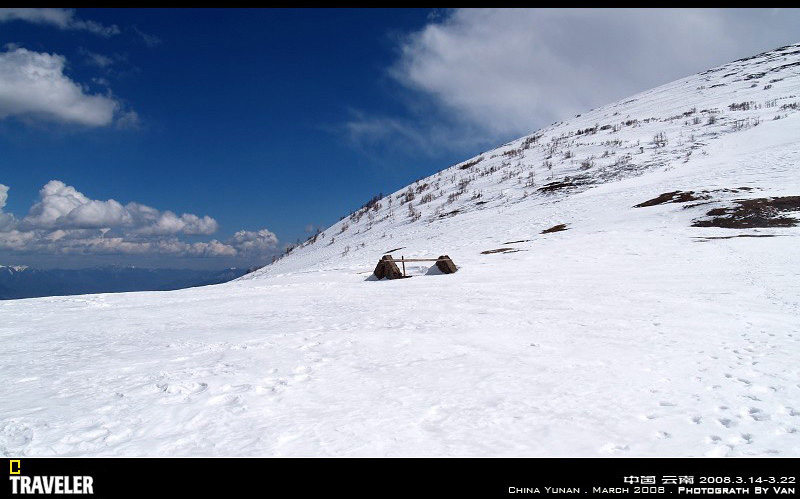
(20, 281)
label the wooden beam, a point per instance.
(420, 259)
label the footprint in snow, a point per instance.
(14, 437)
(719, 451)
(726, 422)
(758, 415)
(272, 386)
(229, 401)
(302, 373)
(182, 388)
(434, 417)
(237, 388)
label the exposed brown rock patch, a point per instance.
(753, 213)
(555, 228)
(498, 250)
(673, 197)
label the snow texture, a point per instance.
(630, 333)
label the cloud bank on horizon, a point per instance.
(65, 221)
(35, 88)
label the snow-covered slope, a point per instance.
(672, 128)
(653, 330)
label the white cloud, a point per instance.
(368, 131)
(61, 206)
(60, 18)
(66, 221)
(428, 134)
(510, 68)
(149, 221)
(128, 120)
(506, 72)
(258, 241)
(7, 220)
(213, 248)
(150, 40)
(33, 85)
(15, 240)
(120, 245)
(99, 60)
(73, 242)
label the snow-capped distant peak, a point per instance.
(15, 268)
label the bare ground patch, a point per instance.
(566, 183)
(709, 238)
(498, 250)
(753, 213)
(555, 228)
(673, 197)
(686, 196)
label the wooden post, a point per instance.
(387, 266)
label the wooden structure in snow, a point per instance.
(387, 266)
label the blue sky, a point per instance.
(223, 135)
